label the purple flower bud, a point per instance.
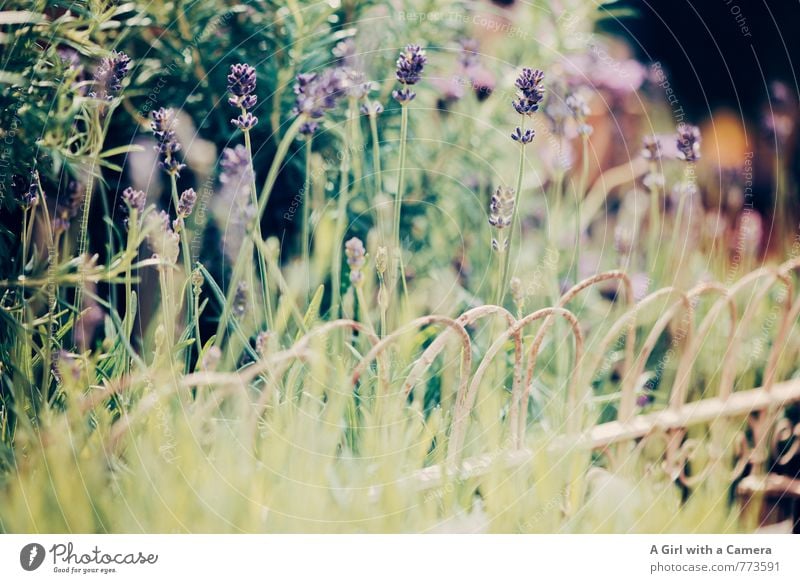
(372, 108)
(31, 196)
(345, 51)
(501, 207)
(69, 57)
(245, 121)
(235, 166)
(317, 93)
(241, 85)
(354, 82)
(577, 106)
(308, 128)
(355, 253)
(410, 64)
(263, 341)
(61, 223)
(135, 199)
(110, 73)
(688, 143)
(302, 82)
(163, 123)
(530, 91)
(529, 83)
(249, 101)
(523, 137)
(186, 202)
(68, 210)
(163, 240)
(404, 95)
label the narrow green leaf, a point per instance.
(122, 150)
(21, 17)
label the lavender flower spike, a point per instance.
(135, 199)
(241, 85)
(410, 64)
(501, 207)
(245, 122)
(110, 73)
(31, 196)
(163, 123)
(530, 91)
(688, 143)
(501, 213)
(524, 137)
(235, 165)
(371, 108)
(186, 202)
(355, 253)
(316, 94)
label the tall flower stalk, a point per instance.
(341, 211)
(356, 258)
(108, 85)
(165, 243)
(501, 213)
(316, 94)
(408, 71)
(530, 92)
(372, 109)
(240, 265)
(135, 201)
(381, 261)
(651, 151)
(688, 143)
(163, 126)
(241, 90)
(580, 112)
(398, 201)
(305, 234)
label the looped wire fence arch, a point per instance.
(761, 406)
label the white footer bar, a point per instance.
(406, 558)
